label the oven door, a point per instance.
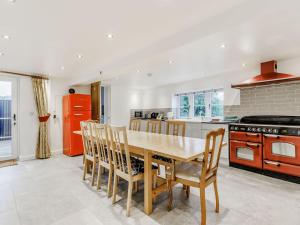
(246, 153)
(285, 149)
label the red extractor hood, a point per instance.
(268, 76)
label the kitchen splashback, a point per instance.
(281, 99)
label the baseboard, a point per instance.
(32, 157)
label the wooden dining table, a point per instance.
(146, 145)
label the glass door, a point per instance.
(8, 118)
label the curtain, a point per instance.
(40, 94)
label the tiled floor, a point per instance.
(51, 192)
(5, 148)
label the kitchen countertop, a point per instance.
(197, 121)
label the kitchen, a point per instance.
(111, 117)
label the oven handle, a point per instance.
(272, 163)
(249, 134)
(272, 136)
(252, 145)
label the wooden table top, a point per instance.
(175, 147)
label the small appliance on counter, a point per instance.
(267, 144)
(154, 115)
(170, 115)
(138, 114)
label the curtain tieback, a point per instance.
(44, 118)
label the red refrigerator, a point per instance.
(76, 108)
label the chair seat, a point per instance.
(188, 171)
(137, 166)
(161, 158)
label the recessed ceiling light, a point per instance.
(110, 36)
(149, 74)
(12, 1)
(62, 68)
(244, 64)
(223, 46)
(1, 54)
(170, 62)
(79, 56)
(138, 71)
(5, 36)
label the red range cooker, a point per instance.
(267, 144)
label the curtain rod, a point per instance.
(24, 74)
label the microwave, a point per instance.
(138, 114)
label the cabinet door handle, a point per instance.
(272, 163)
(249, 134)
(78, 114)
(78, 106)
(252, 145)
(271, 136)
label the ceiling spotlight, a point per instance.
(110, 36)
(5, 37)
(138, 71)
(62, 68)
(244, 64)
(170, 62)
(12, 1)
(79, 56)
(1, 54)
(223, 46)
(149, 74)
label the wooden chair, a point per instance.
(101, 141)
(200, 175)
(125, 166)
(87, 121)
(154, 126)
(135, 124)
(90, 154)
(174, 127)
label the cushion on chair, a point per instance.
(188, 171)
(137, 166)
(161, 158)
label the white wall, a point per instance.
(123, 99)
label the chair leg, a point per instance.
(170, 192)
(93, 173)
(99, 177)
(203, 205)
(217, 196)
(130, 186)
(187, 191)
(85, 165)
(110, 174)
(115, 187)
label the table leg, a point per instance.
(148, 183)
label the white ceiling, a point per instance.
(48, 34)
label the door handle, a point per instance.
(271, 136)
(78, 114)
(252, 145)
(272, 163)
(15, 119)
(78, 106)
(248, 134)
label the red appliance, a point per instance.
(270, 144)
(76, 108)
(269, 75)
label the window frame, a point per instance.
(207, 101)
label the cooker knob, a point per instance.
(253, 129)
(270, 130)
(258, 129)
(249, 129)
(264, 130)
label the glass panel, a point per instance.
(284, 149)
(5, 119)
(199, 105)
(217, 99)
(245, 153)
(184, 106)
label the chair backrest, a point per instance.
(174, 128)
(213, 147)
(154, 126)
(100, 140)
(86, 129)
(135, 124)
(120, 150)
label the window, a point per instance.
(200, 104)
